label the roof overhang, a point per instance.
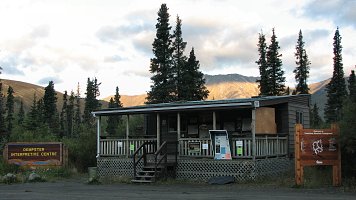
(173, 108)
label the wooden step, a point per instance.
(141, 181)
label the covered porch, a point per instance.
(259, 130)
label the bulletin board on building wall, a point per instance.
(315, 147)
(265, 121)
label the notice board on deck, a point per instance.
(36, 154)
(221, 144)
(317, 147)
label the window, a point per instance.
(299, 117)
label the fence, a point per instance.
(123, 147)
(266, 146)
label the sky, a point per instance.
(69, 41)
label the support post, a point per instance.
(298, 167)
(127, 135)
(253, 130)
(158, 130)
(178, 130)
(214, 120)
(98, 136)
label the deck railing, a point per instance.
(266, 146)
(240, 148)
(123, 147)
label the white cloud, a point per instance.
(112, 40)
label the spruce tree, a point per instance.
(315, 119)
(352, 86)
(193, 80)
(179, 60)
(50, 107)
(163, 86)
(114, 120)
(303, 65)
(91, 101)
(31, 120)
(70, 114)
(262, 65)
(77, 113)
(63, 115)
(2, 117)
(274, 70)
(10, 110)
(336, 89)
(21, 114)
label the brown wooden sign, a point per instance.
(34, 154)
(317, 147)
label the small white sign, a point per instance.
(119, 144)
(205, 146)
(239, 143)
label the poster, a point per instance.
(239, 148)
(221, 144)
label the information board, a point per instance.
(317, 147)
(221, 144)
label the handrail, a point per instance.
(143, 156)
(163, 150)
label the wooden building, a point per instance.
(174, 138)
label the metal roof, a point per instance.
(193, 105)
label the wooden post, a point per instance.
(337, 166)
(253, 130)
(298, 168)
(158, 130)
(98, 137)
(127, 136)
(178, 130)
(214, 120)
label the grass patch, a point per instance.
(318, 176)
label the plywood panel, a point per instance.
(265, 121)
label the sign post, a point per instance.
(317, 147)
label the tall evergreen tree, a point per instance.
(10, 110)
(63, 115)
(21, 114)
(303, 65)
(2, 117)
(262, 65)
(70, 114)
(77, 113)
(352, 86)
(193, 80)
(113, 121)
(336, 89)
(179, 60)
(50, 107)
(31, 120)
(163, 87)
(91, 101)
(315, 119)
(274, 70)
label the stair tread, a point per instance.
(141, 181)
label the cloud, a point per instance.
(341, 12)
(13, 64)
(42, 31)
(142, 73)
(46, 80)
(113, 59)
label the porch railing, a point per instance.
(124, 147)
(266, 146)
(241, 147)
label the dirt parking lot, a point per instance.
(74, 189)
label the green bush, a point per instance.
(8, 168)
(82, 150)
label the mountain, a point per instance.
(25, 92)
(226, 86)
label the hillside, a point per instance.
(220, 86)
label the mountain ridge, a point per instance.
(222, 86)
